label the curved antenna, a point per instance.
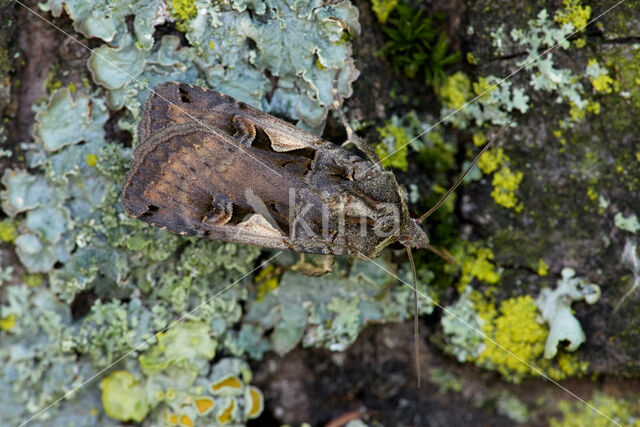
(459, 181)
(416, 345)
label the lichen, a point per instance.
(393, 149)
(629, 223)
(245, 49)
(555, 309)
(631, 260)
(477, 263)
(461, 323)
(576, 414)
(383, 8)
(515, 328)
(505, 183)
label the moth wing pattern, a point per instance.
(208, 165)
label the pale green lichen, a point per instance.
(128, 280)
(629, 223)
(555, 309)
(462, 325)
(245, 53)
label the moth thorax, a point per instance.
(414, 236)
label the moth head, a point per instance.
(414, 236)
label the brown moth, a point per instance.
(208, 165)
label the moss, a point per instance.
(392, 137)
(455, 90)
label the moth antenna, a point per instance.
(416, 345)
(442, 253)
(459, 181)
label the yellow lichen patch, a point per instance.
(173, 419)
(543, 268)
(8, 232)
(226, 415)
(255, 402)
(477, 264)
(267, 281)
(455, 90)
(492, 160)
(91, 159)
(479, 139)
(505, 183)
(204, 404)
(394, 148)
(8, 322)
(34, 280)
(183, 11)
(517, 330)
(170, 394)
(483, 87)
(623, 410)
(186, 421)
(227, 385)
(602, 84)
(573, 13)
(383, 8)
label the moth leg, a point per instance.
(219, 211)
(311, 268)
(244, 129)
(352, 137)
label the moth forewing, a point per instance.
(208, 165)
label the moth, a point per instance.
(208, 165)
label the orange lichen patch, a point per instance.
(186, 421)
(255, 402)
(225, 416)
(203, 404)
(229, 384)
(173, 419)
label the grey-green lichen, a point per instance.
(107, 283)
(236, 46)
(555, 309)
